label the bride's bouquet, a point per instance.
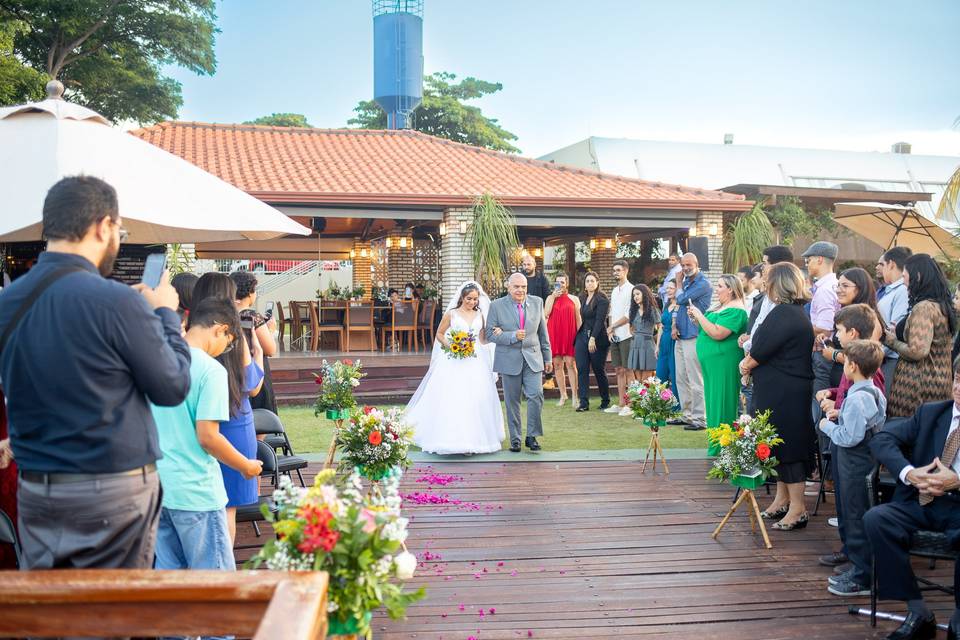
(462, 345)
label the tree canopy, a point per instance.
(444, 114)
(18, 82)
(109, 54)
(282, 120)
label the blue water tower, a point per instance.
(398, 59)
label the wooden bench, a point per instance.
(264, 605)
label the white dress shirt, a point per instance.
(620, 299)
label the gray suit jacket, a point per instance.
(510, 353)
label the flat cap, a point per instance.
(822, 248)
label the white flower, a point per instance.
(354, 382)
(406, 565)
(744, 420)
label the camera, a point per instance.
(246, 323)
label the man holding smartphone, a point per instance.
(80, 356)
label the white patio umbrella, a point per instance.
(889, 224)
(162, 197)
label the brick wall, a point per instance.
(399, 259)
(456, 254)
(601, 261)
(707, 222)
(362, 266)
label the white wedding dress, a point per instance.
(456, 408)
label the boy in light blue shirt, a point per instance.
(193, 527)
(862, 414)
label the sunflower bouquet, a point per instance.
(746, 448)
(462, 344)
(356, 538)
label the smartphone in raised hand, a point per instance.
(153, 269)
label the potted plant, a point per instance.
(493, 235)
(357, 539)
(337, 381)
(745, 459)
(375, 443)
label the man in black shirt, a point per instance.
(78, 369)
(537, 284)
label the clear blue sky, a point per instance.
(817, 73)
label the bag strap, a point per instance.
(38, 290)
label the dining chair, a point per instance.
(359, 318)
(319, 327)
(403, 321)
(282, 322)
(300, 325)
(425, 326)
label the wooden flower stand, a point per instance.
(338, 416)
(753, 510)
(655, 449)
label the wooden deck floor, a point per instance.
(595, 550)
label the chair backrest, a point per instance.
(360, 316)
(279, 310)
(268, 457)
(266, 422)
(426, 312)
(405, 315)
(8, 534)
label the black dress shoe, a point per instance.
(915, 628)
(677, 421)
(532, 444)
(953, 630)
(694, 427)
(515, 446)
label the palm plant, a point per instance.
(948, 208)
(493, 237)
(746, 239)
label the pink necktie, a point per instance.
(520, 314)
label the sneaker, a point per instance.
(833, 522)
(846, 576)
(612, 409)
(625, 411)
(842, 568)
(834, 559)
(848, 588)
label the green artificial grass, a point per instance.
(564, 430)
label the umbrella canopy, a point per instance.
(162, 198)
(888, 225)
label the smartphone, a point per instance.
(556, 287)
(246, 323)
(269, 312)
(153, 270)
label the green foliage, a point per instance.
(444, 114)
(110, 54)
(282, 120)
(493, 236)
(792, 219)
(18, 82)
(950, 202)
(746, 239)
(179, 259)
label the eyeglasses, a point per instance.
(233, 343)
(124, 234)
(846, 285)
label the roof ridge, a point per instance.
(554, 166)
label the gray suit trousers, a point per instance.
(530, 383)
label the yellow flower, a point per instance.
(725, 439)
(286, 527)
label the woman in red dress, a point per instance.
(562, 310)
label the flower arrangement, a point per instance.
(652, 401)
(357, 539)
(337, 381)
(375, 442)
(462, 345)
(745, 448)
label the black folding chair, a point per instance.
(268, 424)
(251, 513)
(824, 465)
(8, 535)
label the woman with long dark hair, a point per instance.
(264, 327)
(854, 286)
(923, 339)
(645, 325)
(592, 343)
(244, 365)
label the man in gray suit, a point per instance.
(516, 324)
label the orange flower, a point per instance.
(375, 438)
(763, 451)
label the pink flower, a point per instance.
(665, 394)
(643, 391)
(371, 522)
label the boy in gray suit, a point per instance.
(516, 325)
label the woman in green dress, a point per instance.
(719, 353)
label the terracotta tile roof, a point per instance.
(353, 166)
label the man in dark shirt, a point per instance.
(537, 284)
(78, 370)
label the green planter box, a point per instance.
(338, 414)
(654, 424)
(753, 481)
(348, 628)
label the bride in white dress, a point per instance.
(456, 408)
